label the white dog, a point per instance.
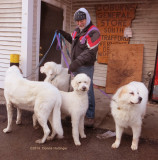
(56, 75)
(40, 97)
(75, 104)
(128, 107)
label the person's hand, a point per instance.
(59, 31)
(73, 67)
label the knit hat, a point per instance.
(79, 16)
(88, 18)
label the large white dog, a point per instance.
(75, 104)
(128, 107)
(56, 75)
(41, 97)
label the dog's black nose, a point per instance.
(83, 88)
(140, 99)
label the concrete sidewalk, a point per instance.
(104, 120)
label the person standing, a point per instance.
(84, 39)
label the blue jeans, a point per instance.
(89, 70)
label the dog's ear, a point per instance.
(42, 69)
(122, 91)
(73, 83)
(15, 69)
(118, 93)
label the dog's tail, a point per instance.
(57, 126)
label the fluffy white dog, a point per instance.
(41, 97)
(75, 104)
(56, 75)
(128, 107)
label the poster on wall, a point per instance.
(154, 94)
(112, 19)
(124, 65)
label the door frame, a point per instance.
(26, 36)
(26, 55)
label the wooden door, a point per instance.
(51, 20)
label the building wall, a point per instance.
(15, 22)
(145, 31)
(10, 35)
(144, 27)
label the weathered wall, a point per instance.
(144, 27)
(10, 35)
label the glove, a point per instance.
(73, 67)
(60, 31)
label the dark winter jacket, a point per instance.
(84, 49)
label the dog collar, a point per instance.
(54, 77)
(119, 108)
(113, 100)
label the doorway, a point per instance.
(51, 20)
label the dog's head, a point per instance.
(129, 94)
(14, 70)
(51, 69)
(81, 82)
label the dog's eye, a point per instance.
(85, 81)
(79, 82)
(132, 93)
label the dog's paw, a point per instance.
(115, 145)
(6, 130)
(77, 143)
(134, 147)
(83, 136)
(60, 136)
(49, 138)
(36, 126)
(18, 122)
(39, 141)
